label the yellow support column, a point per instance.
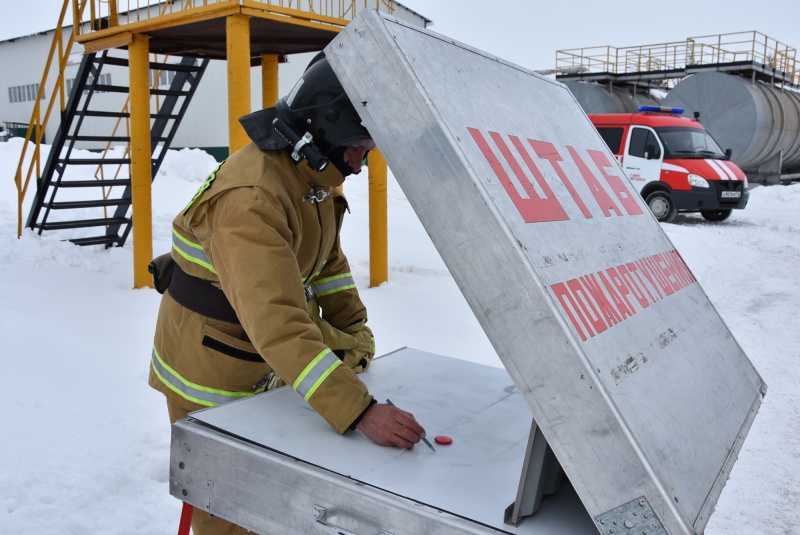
(269, 80)
(378, 228)
(141, 177)
(237, 29)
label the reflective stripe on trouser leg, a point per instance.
(315, 373)
(192, 391)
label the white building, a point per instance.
(23, 59)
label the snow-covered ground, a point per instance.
(84, 446)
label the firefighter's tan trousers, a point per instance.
(202, 522)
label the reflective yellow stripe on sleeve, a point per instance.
(315, 373)
(332, 285)
(193, 252)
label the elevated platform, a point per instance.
(749, 54)
(184, 28)
(749, 69)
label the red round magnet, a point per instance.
(443, 440)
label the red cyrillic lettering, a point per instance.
(603, 199)
(563, 295)
(583, 300)
(616, 184)
(655, 269)
(633, 285)
(663, 263)
(633, 267)
(599, 297)
(623, 290)
(547, 151)
(533, 209)
(612, 292)
(645, 270)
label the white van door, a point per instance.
(643, 156)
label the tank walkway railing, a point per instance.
(111, 15)
(751, 50)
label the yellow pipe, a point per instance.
(378, 227)
(237, 29)
(139, 57)
(269, 80)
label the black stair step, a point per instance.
(110, 88)
(95, 161)
(68, 205)
(126, 115)
(113, 239)
(83, 223)
(174, 67)
(113, 114)
(170, 93)
(94, 183)
(111, 60)
(126, 139)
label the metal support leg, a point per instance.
(186, 519)
(541, 475)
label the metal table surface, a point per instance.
(476, 477)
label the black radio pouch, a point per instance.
(161, 268)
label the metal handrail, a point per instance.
(113, 15)
(704, 50)
(38, 123)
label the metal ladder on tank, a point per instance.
(61, 203)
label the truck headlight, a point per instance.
(697, 181)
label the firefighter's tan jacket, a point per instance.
(262, 229)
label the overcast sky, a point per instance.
(528, 32)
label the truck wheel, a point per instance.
(662, 206)
(716, 215)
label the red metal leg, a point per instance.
(186, 519)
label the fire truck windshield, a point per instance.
(682, 143)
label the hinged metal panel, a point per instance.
(636, 382)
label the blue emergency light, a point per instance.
(660, 109)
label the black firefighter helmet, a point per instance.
(316, 120)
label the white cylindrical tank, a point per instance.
(754, 119)
(597, 98)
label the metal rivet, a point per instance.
(184, 492)
(628, 524)
(181, 465)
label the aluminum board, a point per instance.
(635, 380)
(475, 477)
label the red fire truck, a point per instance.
(674, 163)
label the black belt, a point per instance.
(201, 296)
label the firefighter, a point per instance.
(258, 291)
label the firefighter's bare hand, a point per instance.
(389, 426)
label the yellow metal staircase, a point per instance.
(244, 33)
